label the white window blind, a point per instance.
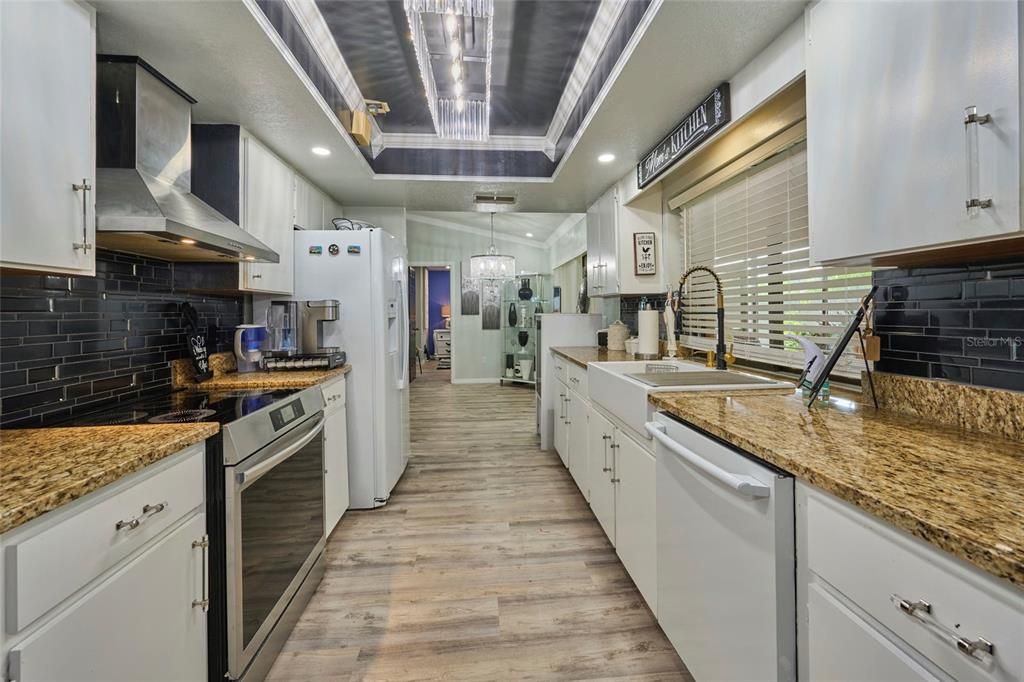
(752, 231)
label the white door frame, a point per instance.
(426, 297)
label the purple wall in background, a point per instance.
(438, 294)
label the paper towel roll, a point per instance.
(648, 323)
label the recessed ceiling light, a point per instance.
(529, 234)
(321, 151)
(188, 241)
(606, 158)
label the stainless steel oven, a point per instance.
(274, 518)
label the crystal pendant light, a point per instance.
(492, 265)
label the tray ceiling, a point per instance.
(536, 45)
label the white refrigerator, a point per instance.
(367, 271)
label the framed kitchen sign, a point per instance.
(644, 261)
(701, 123)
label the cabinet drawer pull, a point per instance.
(131, 524)
(204, 601)
(918, 609)
(911, 607)
(615, 480)
(84, 188)
(154, 509)
(969, 646)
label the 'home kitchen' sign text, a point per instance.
(713, 113)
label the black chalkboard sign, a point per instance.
(701, 123)
(195, 343)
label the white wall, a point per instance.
(476, 353)
(774, 68)
(569, 244)
(391, 219)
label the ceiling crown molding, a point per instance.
(597, 38)
(312, 23)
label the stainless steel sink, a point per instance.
(700, 378)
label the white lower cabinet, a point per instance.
(934, 614)
(113, 585)
(336, 492)
(602, 491)
(139, 624)
(579, 461)
(633, 475)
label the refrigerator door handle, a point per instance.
(403, 330)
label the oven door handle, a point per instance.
(249, 475)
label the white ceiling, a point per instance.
(541, 227)
(219, 54)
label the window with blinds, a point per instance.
(752, 231)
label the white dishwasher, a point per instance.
(726, 562)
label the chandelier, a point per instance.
(453, 41)
(492, 265)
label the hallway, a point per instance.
(485, 565)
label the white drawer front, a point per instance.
(49, 566)
(334, 394)
(577, 379)
(561, 366)
(875, 565)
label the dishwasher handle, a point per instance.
(744, 485)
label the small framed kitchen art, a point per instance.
(644, 261)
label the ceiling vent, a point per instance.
(490, 201)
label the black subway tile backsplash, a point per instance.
(71, 344)
(964, 324)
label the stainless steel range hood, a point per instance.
(144, 200)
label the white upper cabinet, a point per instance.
(610, 229)
(48, 136)
(310, 205)
(267, 215)
(892, 158)
(602, 245)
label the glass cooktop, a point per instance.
(183, 406)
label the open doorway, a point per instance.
(431, 288)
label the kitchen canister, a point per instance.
(618, 332)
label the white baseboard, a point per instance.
(475, 381)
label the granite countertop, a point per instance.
(42, 469)
(582, 355)
(298, 378)
(957, 489)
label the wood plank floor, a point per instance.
(486, 564)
